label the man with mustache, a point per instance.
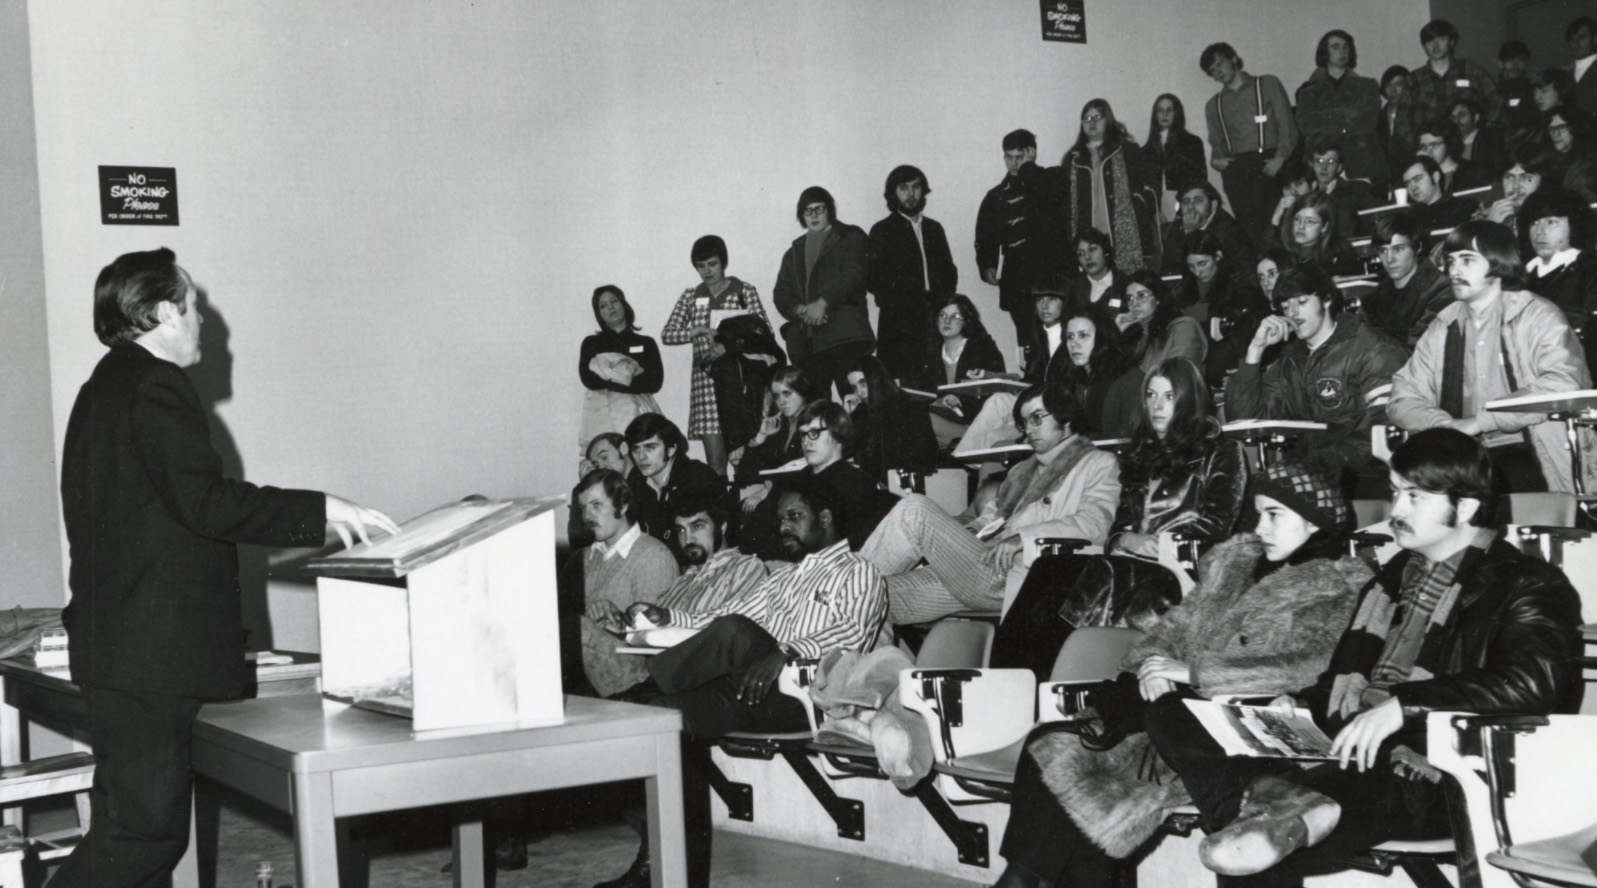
(911, 268)
(722, 678)
(623, 566)
(1334, 370)
(1497, 339)
(716, 573)
(1201, 211)
(1459, 620)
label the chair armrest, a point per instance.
(1562, 534)
(970, 710)
(794, 680)
(1063, 700)
(1505, 722)
(1059, 545)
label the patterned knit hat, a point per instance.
(1312, 493)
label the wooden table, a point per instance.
(321, 765)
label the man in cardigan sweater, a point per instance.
(1067, 488)
(1460, 620)
(622, 567)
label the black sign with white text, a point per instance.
(138, 195)
(1064, 20)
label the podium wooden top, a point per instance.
(430, 537)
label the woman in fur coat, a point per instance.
(1267, 611)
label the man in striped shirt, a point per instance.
(721, 679)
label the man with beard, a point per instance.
(1461, 619)
(722, 678)
(623, 566)
(716, 573)
(1495, 340)
(911, 268)
(1201, 211)
(1412, 291)
(1335, 370)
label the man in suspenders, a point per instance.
(1251, 133)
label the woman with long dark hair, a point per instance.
(1178, 474)
(1225, 302)
(778, 441)
(1112, 188)
(892, 431)
(1175, 155)
(619, 367)
(961, 351)
(1103, 377)
(1558, 233)
(1156, 328)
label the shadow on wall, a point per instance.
(213, 380)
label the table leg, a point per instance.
(11, 726)
(469, 855)
(315, 837)
(668, 859)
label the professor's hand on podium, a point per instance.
(345, 516)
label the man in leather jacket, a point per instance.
(1460, 620)
(1334, 370)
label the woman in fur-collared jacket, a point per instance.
(1268, 609)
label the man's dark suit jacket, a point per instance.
(905, 296)
(152, 527)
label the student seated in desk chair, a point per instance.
(1459, 620)
(1334, 370)
(152, 525)
(1066, 488)
(1497, 339)
(1412, 291)
(1267, 610)
(722, 678)
(1178, 475)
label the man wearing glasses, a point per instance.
(1349, 195)
(1413, 290)
(820, 289)
(826, 435)
(1066, 488)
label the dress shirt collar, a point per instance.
(1559, 260)
(825, 558)
(623, 546)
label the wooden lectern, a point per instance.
(452, 622)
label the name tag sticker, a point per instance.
(1461, 84)
(701, 302)
(1261, 118)
(635, 350)
(1513, 103)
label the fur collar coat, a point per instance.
(1239, 636)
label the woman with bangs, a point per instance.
(1309, 233)
(1111, 188)
(1175, 154)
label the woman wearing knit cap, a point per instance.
(1267, 611)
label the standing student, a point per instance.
(911, 268)
(1339, 107)
(1175, 154)
(152, 528)
(690, 321)
(1112, 189)
(1252, 132)
(820, 289)
(619, 367)
(1018, 232)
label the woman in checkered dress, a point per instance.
(690, 322)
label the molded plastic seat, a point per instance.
(1555, 860)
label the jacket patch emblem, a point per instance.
(1329, 390)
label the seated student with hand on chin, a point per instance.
(1067, 488)
(1333, 370)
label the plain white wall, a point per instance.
(400, 209)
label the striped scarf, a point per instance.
(1407, 624)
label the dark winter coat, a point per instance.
(1239, 637)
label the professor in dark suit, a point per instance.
(155, 620)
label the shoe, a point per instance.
(636, 876)
(1277, 818)
(510, 852)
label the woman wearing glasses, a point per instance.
(962, 350)
(1156, 328)
(1309, 232)
(1573, 134)
(1112, 188)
